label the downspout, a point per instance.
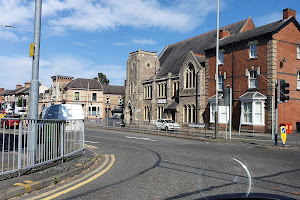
(197, 97)
(232, 79)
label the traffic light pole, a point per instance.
(276, 111)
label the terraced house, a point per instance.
(180, 83)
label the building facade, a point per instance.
(180, 83)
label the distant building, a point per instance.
(97, 100)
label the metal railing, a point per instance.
(21, 149)
(185, 128)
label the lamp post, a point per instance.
(217, 77)
(8, 26)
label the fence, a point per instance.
(22, 149)
(185, 128)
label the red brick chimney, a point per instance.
(1, 90)
(18, 86)
(224, 33)
(27, 84)
(287, 13)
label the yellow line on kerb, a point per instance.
(84, 182)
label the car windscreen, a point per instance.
(169, 121)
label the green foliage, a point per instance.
(19, 102)
(103, 79)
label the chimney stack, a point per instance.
(18, 86)
(27, 84)
(224, 33)
(287, 13)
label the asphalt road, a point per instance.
(157, 167)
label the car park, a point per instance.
(10, 121)
(166, 124)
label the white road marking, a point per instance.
(92, 142)
(139, 138)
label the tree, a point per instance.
(19, 103)
(102, 79)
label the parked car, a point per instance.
(10, 121)
(166, 124)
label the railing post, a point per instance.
(62, 140)
(20, 145)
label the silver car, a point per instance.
(166, 124)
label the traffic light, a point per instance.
(13, 105)
(283, 91)
(24, 102)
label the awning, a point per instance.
(252, 95)
(172, 106)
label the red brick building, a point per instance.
(250, 62)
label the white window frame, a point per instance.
(254, 113)
(251, 79)
(220, 82)
(75, 96)
(253, 49)
(298, 80)
(298, 52)
(96, 112)
(120, 101)
(220, 114)
(93, 96)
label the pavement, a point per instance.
(17, 186)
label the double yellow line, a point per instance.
(79, 182)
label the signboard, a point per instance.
(283, 133)
(161, 100)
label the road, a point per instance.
(141, 166)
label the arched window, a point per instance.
(190, 76)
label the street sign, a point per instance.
(283, 134)
(31, 50)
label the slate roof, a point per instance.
(265, 29)
(113, 89)
(25, 91)
(5, 92)
(174, 55)
(81, 83)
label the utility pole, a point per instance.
(276, 111)
(34, 85)
(216, 76)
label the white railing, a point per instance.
(22, 149)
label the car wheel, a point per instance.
(166, 128)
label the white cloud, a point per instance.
(143, 42)
(92, 15)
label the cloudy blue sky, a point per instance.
(83, 37)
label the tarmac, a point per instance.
(18, 186)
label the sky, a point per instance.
(80, 38)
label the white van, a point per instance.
(73, 113)
(63, 111)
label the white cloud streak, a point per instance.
(61, 16)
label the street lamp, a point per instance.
(8, 26)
